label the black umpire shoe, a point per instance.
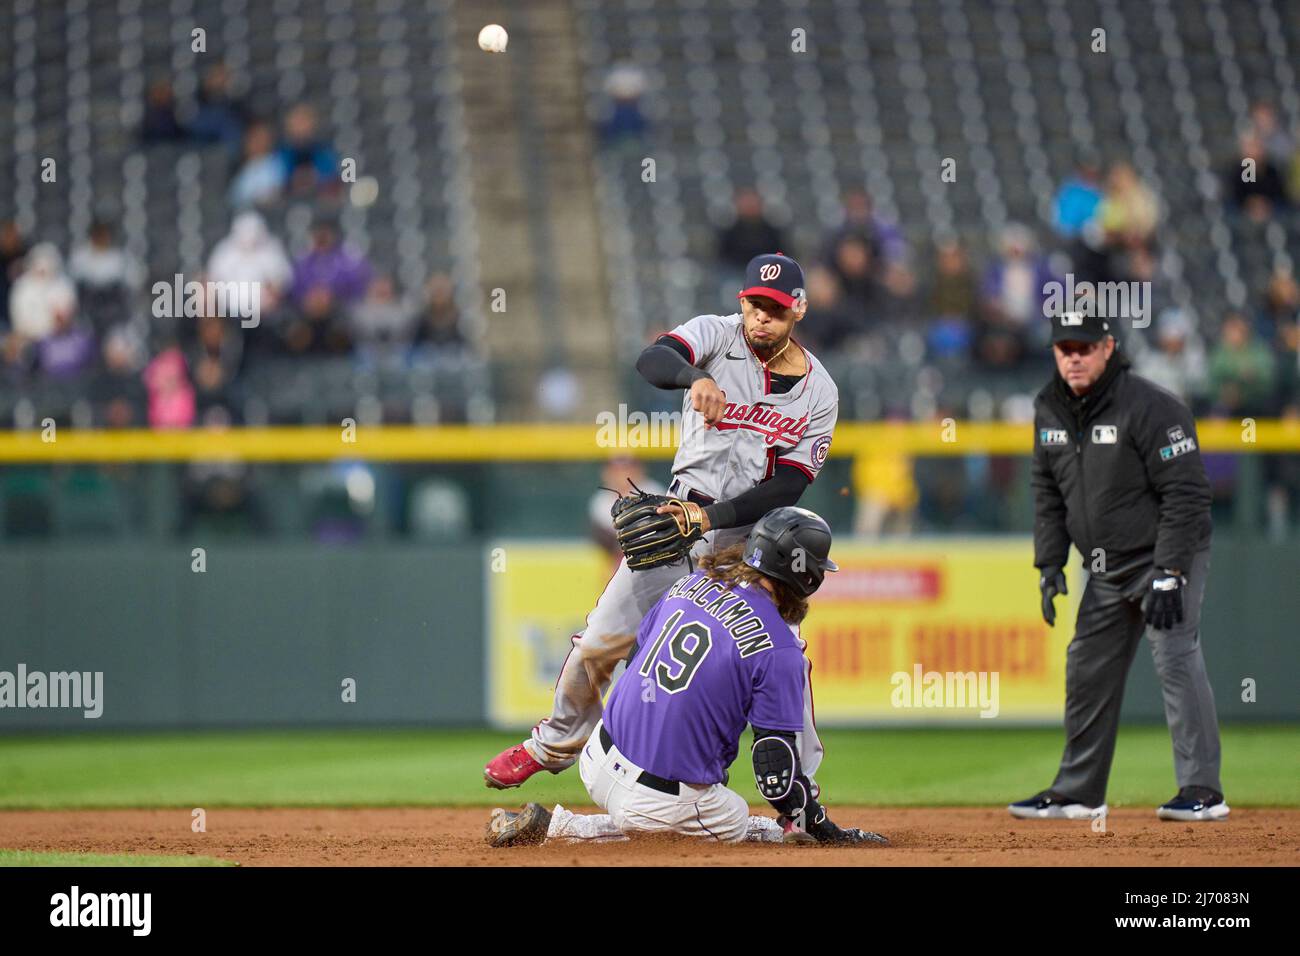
(1194, 803)
(1049, 805)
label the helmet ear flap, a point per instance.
(791, 545)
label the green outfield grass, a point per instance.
(921, 767)
(29, 858)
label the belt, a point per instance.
(697, 497)
(647, 779)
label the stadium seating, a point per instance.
(376, 70)
(886, 92)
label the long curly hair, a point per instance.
(728, 567)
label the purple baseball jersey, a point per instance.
(708, 661)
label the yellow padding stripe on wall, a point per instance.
(506, 442)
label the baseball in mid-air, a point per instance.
(493, 38)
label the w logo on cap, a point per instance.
(776, 277)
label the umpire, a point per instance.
(1117, 472)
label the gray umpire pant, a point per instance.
(1110, 625)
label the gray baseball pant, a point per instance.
(1107, 632)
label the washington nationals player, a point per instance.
(717, 652)
(757, 419)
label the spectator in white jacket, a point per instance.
(250, 253)
(40, 295)
(1177, 362)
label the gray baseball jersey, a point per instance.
(759, 429)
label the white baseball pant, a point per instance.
(607, 639)
(711, 811)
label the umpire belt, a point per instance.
(679, 489)
(646, 779)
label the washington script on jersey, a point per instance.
(742, 623)
(771, 424)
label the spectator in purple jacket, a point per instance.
(885, 243)
(861, 221)
(68, 350)
(327, 280)
(330, 267)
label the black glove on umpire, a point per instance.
(1051, 584)
(1164, 605)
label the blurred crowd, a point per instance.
(89, 319)
(982, 318)
(272, 159)
(867, 285)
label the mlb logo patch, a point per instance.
(1105, 434)
(1053, 436)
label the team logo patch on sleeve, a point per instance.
(1053, 436)
(821, 448)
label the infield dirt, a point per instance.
(453, 836)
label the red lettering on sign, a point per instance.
(892, 584)
(1014, 648)
(850, 650)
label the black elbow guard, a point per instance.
(774, 767)
(777, 774)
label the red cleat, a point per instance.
(511, 768)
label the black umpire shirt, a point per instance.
(1118, 469)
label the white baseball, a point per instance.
(493, 38)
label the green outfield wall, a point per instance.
(268, 634)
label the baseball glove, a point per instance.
(651, 540)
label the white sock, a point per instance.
(763, 830)
(572, 827)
